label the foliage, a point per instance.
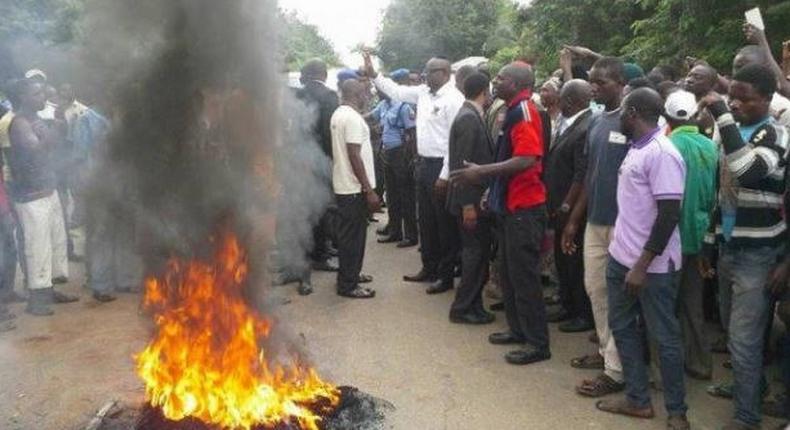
(415, 30)
(302, 41)
(48, 21)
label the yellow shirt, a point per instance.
(5, 143)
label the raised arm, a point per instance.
(757, 36)
(401, 93)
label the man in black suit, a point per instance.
(324, 101)
(470, 143)
(566, 166)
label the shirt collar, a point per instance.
(644, 140)
(569, 121)
(444, 89)
(520, 97)
(685, 129)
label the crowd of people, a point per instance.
(652, 196)
(659, 196)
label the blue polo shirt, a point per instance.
(606, 150)
(395, 118)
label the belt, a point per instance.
(431, 159)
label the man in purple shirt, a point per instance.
(644, 259)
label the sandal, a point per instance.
(622, 407)
(365, 279)
(590, 361)
(723, 390)
(358, 293)
(601, 386)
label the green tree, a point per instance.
(302, 41)
(415, 30)
(48, 21)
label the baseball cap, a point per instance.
(681, 105)
(35, 73)
(399, 74)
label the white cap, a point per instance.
(681, 105)
(32, 73)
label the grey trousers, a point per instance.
(692, 319)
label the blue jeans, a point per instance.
(655, 304)
(743, 273)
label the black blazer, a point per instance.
(469, 141)
(325, 102)
(566, 163)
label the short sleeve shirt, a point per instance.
(653, 170)
(526, 189)
(395, 118)
(607, 147)
(349, 127)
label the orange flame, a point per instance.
(204, 361)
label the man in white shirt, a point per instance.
(438, 103)
(353, 180)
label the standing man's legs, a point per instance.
(393, 176)
(522, 289)
(475, 254)
(59, 241)
(8, 258)
(570, 271)
(596, 257)
(656, 304)
(408, 199)
(430, 250)
(449, 242)
(746, 271)
(352, 233)
(699, 362)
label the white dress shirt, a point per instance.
(435, 115)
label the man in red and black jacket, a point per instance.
(518, 196)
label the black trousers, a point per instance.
(475, 256)
(351, 227)
(401, 204)
(570, 271)
(520, 237)
(439, 234)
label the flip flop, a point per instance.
(358, 293)
(621, 407)
(601, 386)
(590, 361)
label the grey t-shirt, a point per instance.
(607, 148)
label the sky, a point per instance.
(346, 23)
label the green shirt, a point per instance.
(702, 158)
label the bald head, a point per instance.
(701, 80)
(521, 74)
(461, 75)
(354, 92)
(575, 96)
(437, 73)
(512, 79)
(641, 109)
(313, 69)
(749, 54)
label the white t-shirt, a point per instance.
(348, 127)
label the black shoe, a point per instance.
(439, 287)
(38, 303)
(407, 243)
(559, 316)
(304, 289)
(497, 307)
(505, 338)
(527, 356)
(60, 280)
(576, 325)
(422, 276)
(473, 318)
(389, 239)
(103, 297)
(58, 297)
(324, 266)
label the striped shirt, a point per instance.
(757, 167)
